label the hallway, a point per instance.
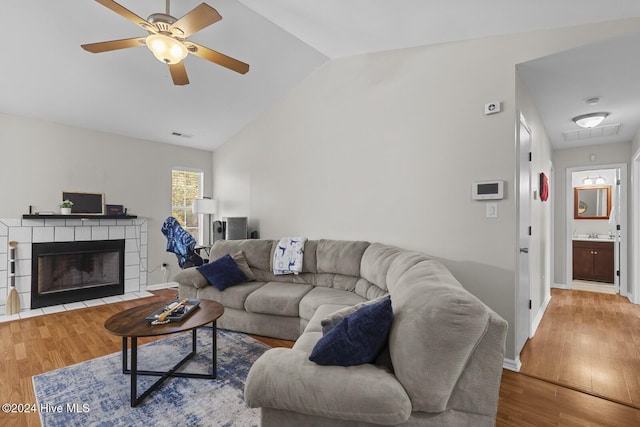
(590, 342)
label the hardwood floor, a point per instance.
(588, 341)
(32, 346)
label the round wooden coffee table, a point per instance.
(131, 324)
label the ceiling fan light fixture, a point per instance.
(590, 120)
(166, 49)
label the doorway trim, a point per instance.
(624, 235)
(634, 270)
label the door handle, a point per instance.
(524, 250)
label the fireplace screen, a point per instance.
(64, 272)
(75, 271)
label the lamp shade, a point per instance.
(204, 206)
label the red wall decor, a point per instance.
(544, 187)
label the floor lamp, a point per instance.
(205, 206)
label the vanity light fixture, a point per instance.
(590, 120)
(594, 181)
(587, 181)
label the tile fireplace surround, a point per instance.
(28, 231)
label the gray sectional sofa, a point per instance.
(446, 347)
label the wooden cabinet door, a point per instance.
(582, 262)
(603, 263)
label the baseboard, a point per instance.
(538, 319)
(159, 286)
(631, 299)
(512, 365)
(559, 286)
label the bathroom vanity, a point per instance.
(593, 259)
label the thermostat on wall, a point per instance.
(487, 190)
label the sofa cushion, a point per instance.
(319, 296)
(223, 273)
(257, 252)
(341, 257)
(282, 299)
(358, 338)
(364, 393)
(191, 276)
(242, 264)
(322, 312)
(376, 261)
(233, 297)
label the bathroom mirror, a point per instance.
(592, 202)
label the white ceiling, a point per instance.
(559, 85)
(46, 75)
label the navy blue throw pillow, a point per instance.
(223, 272)
(357, 339)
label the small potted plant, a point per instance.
(65, 207)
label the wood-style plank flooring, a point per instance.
(32, 346)
(588, 341)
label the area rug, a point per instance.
(97, 393)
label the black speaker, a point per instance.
(218, 230)
(236, 228)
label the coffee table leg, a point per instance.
(124, 355)
(134, 371)
(215, 346)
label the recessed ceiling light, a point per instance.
(590, 120)
(592, 100)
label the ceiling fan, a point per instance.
(167, 38)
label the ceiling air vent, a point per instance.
(600, 131)
(181, 135)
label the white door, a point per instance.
(523, 296)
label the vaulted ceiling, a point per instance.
(46, 75)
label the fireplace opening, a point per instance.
(65, 272)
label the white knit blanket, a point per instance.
(287, 259)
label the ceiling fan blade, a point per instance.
(124, 12)
(200, 17)
(218, 58)
(113, 45)
(179, 74)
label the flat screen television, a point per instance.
(85, 203)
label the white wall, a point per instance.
(40, 159)
(606, 154)
(635, 144)
(384, 147)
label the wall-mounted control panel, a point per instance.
(487, 190)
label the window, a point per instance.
(186, 185)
